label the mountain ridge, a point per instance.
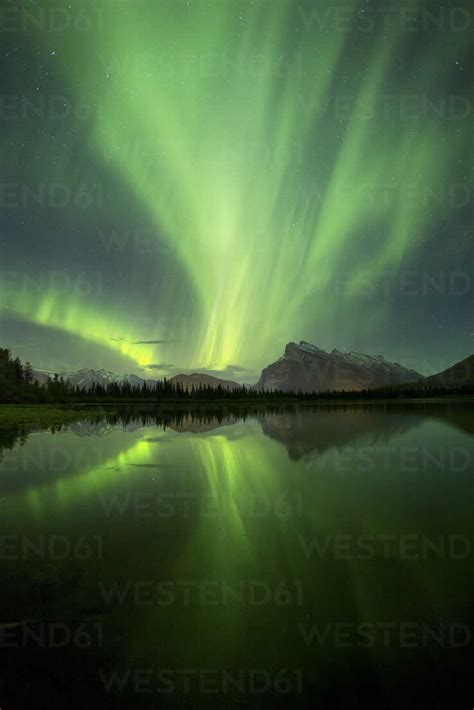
(307, 367)
(197, 379)
(303, 366)
(86, 378)
(461, 373)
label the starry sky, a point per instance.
(191, 184)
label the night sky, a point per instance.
(189, 185)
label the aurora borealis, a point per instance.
(191, 184)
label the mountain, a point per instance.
(462, 373)
(309, 368)
(302, 367)
(41, 376)
(197, 379)
(87, 378)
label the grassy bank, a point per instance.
(50, 414)
(45, 414)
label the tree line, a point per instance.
(18, 386)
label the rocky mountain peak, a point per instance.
(306, 367)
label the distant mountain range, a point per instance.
(87, 378)
(197, 379)
(303, 367)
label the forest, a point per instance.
(18, 386)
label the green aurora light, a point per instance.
(262, 194)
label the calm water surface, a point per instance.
(312, 557)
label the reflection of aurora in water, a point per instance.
(227, 516)
(305, 432)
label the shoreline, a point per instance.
(73, 410)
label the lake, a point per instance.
(312, 556)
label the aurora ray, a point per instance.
(271, 149)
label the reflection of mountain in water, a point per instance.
(102, 427)
(193, 425)
(303, 430)
(307, 432)
(316, 430)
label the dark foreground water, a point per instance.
(312, 557)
